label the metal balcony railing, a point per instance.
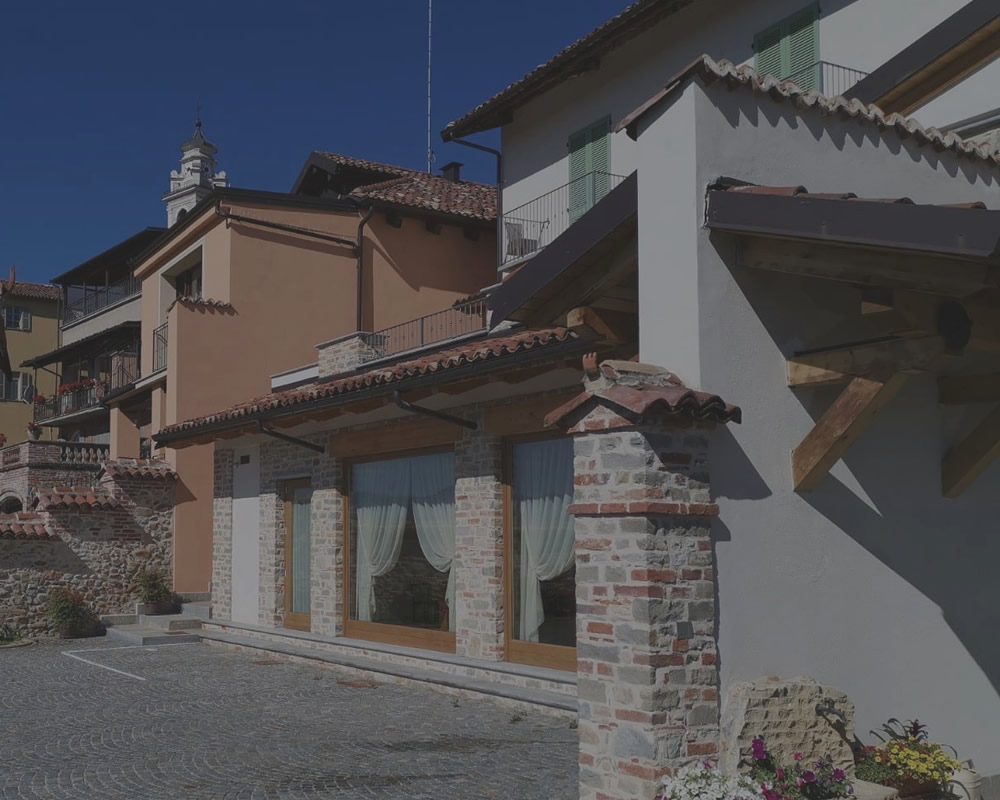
(71, 401)
(459, 320)
(531, 226)
(827, 78)
(160, 348)
(124, 369)
(95, 298)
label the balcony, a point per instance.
(97, 298)
(124, 369)
(827, 78)
(160, 348)
(72, 398)
(530, 227)
(459, 320)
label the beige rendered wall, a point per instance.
(193, 517)
(43, 337)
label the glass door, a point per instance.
(298, 499)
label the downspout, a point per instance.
(359, 252)
(499, 158)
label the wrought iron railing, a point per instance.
(95, 298)
(124, 369)
(459, 320)
(531, 226)
(70, 402)
(827, 78)
(160, 348)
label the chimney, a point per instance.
(452, 171)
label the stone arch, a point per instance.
(10, 503)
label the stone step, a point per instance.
(533, 697)
(119, 619)
(169, 622)
(145, 635)
(199, 608)
(195, 597)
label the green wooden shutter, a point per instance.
(767, 49)
(802, 44)
(600, 159)
(579, 154)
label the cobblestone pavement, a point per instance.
(211, 723)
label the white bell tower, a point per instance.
(196, 177)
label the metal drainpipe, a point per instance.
(359, 249)
(499, 158)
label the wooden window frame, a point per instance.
(295, 620)
(533, 654)
(422, 638)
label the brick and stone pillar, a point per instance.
(646, 648)
(479, 601)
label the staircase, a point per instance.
(148, 629)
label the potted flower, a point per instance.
(800, 780)
(154, 593)
(34, 431)
(39, 399)
(70, 615)
(706, 783)
(906, 760)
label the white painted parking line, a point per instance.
(149, 648)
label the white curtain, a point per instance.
(381, 494)
(433, 496)
(543, 489)
(301, 546)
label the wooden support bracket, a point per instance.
(967, 460)
(866, 360)
(834, 433)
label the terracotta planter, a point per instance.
(162, 607)
(911, 789)
(83, 630)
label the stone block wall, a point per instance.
(343, 354)
(93, 548)
(222, 535)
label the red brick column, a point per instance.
(646, 648)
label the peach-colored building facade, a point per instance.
(247, 285)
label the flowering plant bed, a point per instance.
(705, 782)
(800, 780)
(907, 760)
(76, 386)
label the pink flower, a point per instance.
(759, 749)
(809, 777)
(798, 756)
(838, 775)
(780, 773)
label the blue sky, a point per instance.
(96, 96)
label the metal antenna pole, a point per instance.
(430, 152)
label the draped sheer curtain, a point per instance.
(301, 583)
(432, 480)
(543, 490)
(384, 494)
(381, 497)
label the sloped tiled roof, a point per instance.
(37, 291)
(577, 57)
(639, 400)
(833, 108)
(74, 497)
(433, 193)
(203, 302)
(473, 352)
(146, 469)
(361, 163)
(801, 191)
(24, 526)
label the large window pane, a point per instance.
(544, 577)
(301, 497)
(403, 541)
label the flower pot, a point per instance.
(34, 435)
(913, 788)
(170, 606)
(80, 630)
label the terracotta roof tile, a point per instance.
(37, 291)
(569, 61)
(203, 302)
(73, 497)
(25, 526)
(472, 352)
(361, 163)
(148, 469)
(434, 193)
(832, 108)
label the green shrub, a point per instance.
(152, 587)
(69, 614)
(8, 634)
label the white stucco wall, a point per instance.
(873, 583)
(861, 34)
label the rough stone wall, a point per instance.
(794, 715)
(479, 601)
(327, 543)
(98, 554)
(343, 354)
(222, 535)
(646, 650)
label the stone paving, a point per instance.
(212, 723)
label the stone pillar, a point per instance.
(327, 548)
(222, 536)
(479, 599)
(124, 435)
(646, 648)
(345, 353)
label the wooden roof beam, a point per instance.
(967, 460)
(839, 365)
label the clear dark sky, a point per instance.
(96, 96)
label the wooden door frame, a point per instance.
(520, 652)
(295, 620)
(423, 638)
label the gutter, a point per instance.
(562, 349)
(499, 157)
(281, 226)
(359, 251)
